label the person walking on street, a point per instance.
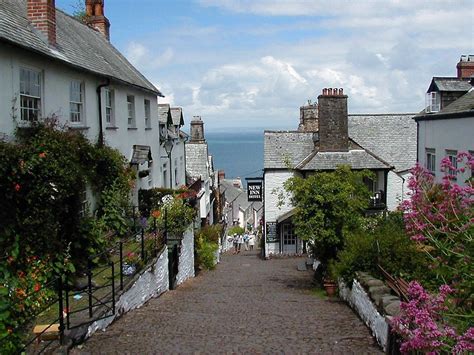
(246, 241)
(251, 240)
(240, 240)
(236, 243)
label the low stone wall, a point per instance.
(186, 257)
(151, 282)
(374, 303)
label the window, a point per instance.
(76, 98)
(131, 111)
(431, 160)
(147, 114)
(433, 102)
(471, 152)
(165, 176)
(371, 184)
(84, 209)
(109, 107)
(453, 158)
(30, 94)
(289, 237)
(176, 178)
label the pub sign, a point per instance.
(254, 191)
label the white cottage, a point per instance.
(328, 137)
(54, 65)
(200, 168)
(446, 126)
(173, 163)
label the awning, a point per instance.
(141, 154)
(286, 215)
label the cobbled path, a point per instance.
(245, 305)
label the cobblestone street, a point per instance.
(246, 305)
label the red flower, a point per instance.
(37, 287)
(17, 187)
(42, 155)
(156, 213)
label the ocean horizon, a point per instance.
(239, 154)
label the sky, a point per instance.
(251, 64)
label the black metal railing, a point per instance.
(48, 330)
(71, 305)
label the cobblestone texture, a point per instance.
(246, 305)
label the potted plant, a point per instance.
(130, 263)
(329, 280)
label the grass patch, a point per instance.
(319, 293)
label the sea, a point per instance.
(239, 154)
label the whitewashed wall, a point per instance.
(360, 301)
(152, 282)
(453, 134)
(186, 257)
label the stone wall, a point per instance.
(374, 303)
(151, 282)
(186, 257)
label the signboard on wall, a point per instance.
(254, 191)
(272, 232)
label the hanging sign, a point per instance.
(254, 191)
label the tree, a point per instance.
(328, 206)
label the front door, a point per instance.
(289, 240)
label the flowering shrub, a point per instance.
(132, 258)
(439, 217)
(43, 175)
(174, 216)
(423, 328)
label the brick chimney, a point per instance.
(333, 126)
(221, 175)
(197, 130)
(465, 67)
(309, 118)
(42, 15)
(95, 17)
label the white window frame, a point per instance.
(131, 111)
(147, 108)
(430, 154)
(433, 102)
(288, 234)
(109, 98)
(453, 157)
(165, 175)
(76, 108)
(31, 96)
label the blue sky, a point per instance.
(252, 63)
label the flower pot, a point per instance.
(330, 287)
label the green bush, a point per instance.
(383, 242)
(236, 230)
(207, 255)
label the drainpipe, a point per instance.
(101, 129)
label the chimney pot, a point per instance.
(465, 67)
(96, 18)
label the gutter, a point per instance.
(101, 128)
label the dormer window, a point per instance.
(433, 102)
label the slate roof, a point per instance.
(78, 45)
(141, 154)
(449, 84)
(197, 160)
(164, 114)
(391, 137)
(177, 116)
(378, 142)
(286, 147)
(462, 107)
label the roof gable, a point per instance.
(449, 84)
